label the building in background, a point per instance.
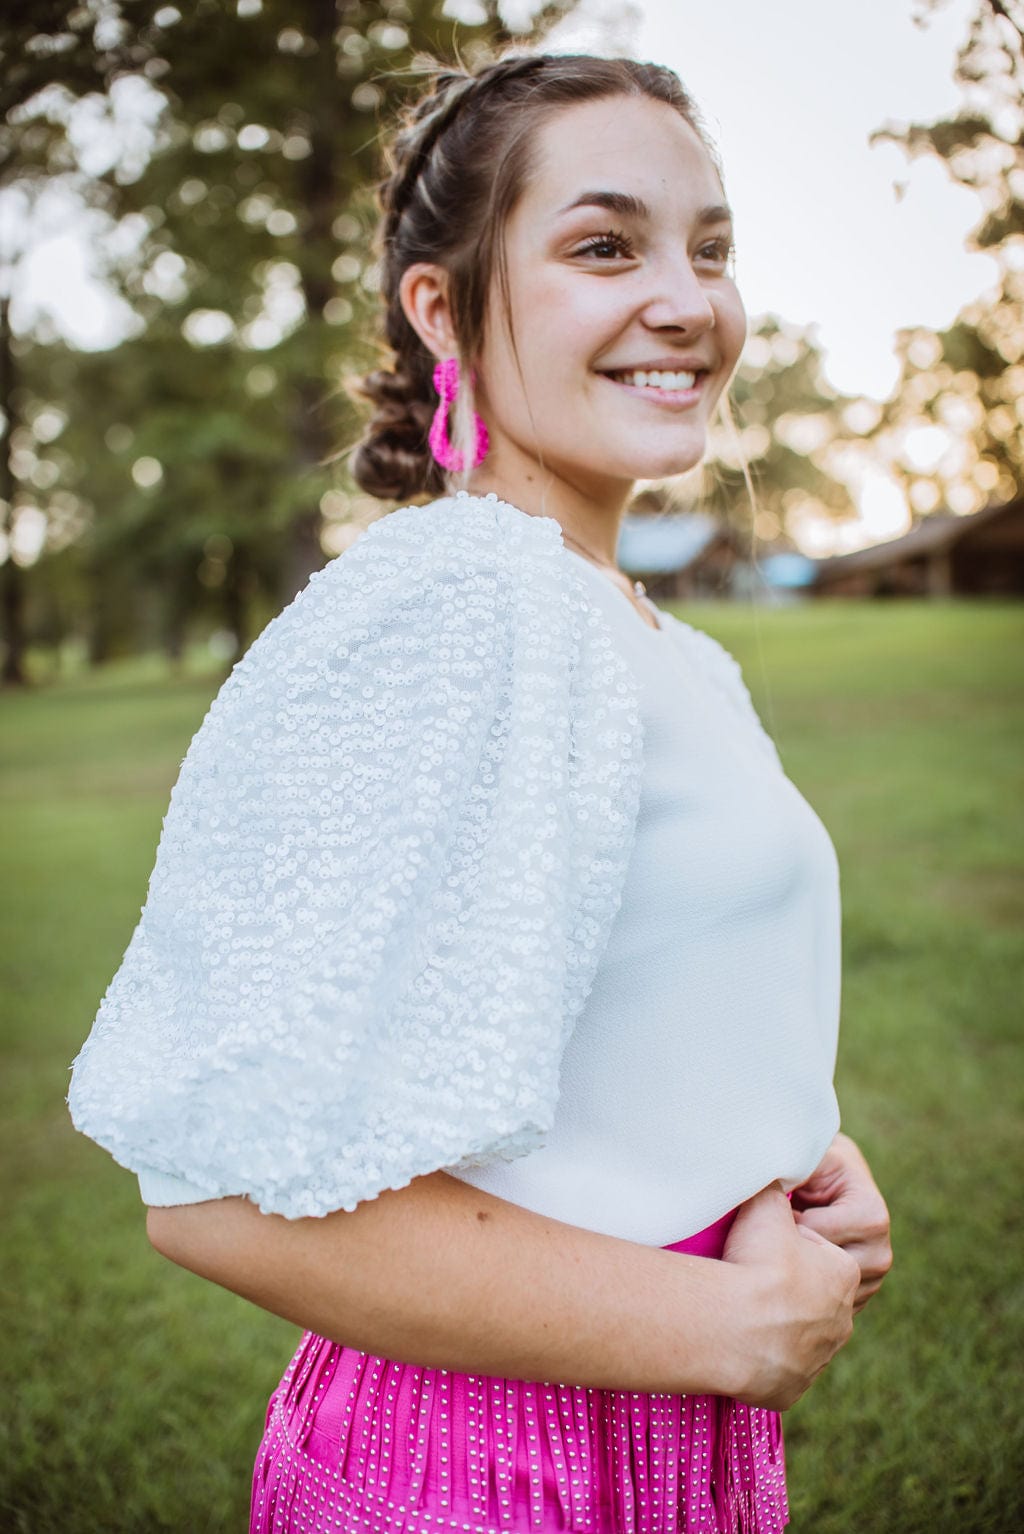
(694, 556)
(944, 555)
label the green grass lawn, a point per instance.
(135, 1392)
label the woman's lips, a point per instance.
(658, 396)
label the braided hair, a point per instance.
(455, 167)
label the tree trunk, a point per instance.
(98, 648)
(12, 584)
(321, 197)
(238, 589)
(178, 591)
(305, 554)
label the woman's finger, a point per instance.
(833, 1222)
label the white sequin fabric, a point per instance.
(385, 878)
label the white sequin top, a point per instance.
(468, 867)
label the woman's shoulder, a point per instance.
(423, 558)
(453, 596)
(412, 578)
(705, 650)
(458, 566)
(464, 528)
(468, 534)
(725, 672)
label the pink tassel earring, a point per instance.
(446, 382)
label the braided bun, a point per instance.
(455, 168)
(392, 460)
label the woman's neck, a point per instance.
(591, 515)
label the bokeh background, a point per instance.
(186, 282)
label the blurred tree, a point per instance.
(164, 500)
(955, 426)
(792, 430)
(12, 592)
(235, 144)
(43, 67)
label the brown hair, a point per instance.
(456, 166)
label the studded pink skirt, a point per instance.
(357, 1444)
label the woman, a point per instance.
(487, 985)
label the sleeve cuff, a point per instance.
(160, 1189)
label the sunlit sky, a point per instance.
(851, 240)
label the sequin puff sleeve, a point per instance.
(385, 878)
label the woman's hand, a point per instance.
(795, 1308)
(841, 1201)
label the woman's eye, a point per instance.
(720, 250)
(614, 242)
(614, 245)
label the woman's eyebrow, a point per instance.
(629, 206)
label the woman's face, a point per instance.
(617, 256)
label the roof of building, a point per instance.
(935, 532)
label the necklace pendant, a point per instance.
(640, 588)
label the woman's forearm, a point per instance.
(441, 1273)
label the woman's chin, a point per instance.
(663, 464)
(656, 458)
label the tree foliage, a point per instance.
(790, 422)
(955, 427)
(230, 149)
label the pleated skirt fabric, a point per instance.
(359, 1444)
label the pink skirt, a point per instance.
(358, 1444)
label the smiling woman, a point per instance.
(483, 1010)
(621, 338)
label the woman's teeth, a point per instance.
(656, 380)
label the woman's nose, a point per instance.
(678, 299)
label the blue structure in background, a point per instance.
(694, 554)
(788, 570)
(663, 545)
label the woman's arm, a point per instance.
(441, 1273)
(842, 1202)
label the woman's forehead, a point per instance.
(634, 145)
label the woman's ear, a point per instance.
(423, 294)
